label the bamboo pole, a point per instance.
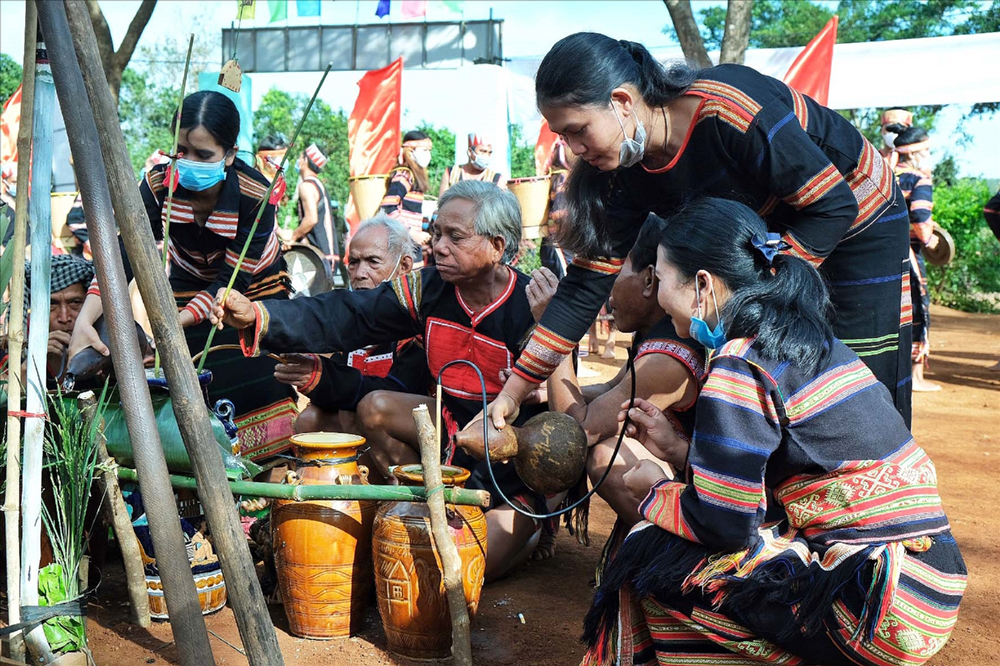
(305, 493)
(173, 177)
(187, 623)
(451, 561)
(117, 515)
(39, 208)
(12, 500)
(245, 596)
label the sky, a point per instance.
(530, 28)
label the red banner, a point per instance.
(543, 148)
(10, 120)
(373, 128)
(810, 73)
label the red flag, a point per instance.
(543, 148)
(810, 73)
(10, 121)
(373, 128)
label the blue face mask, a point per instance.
(199, 176)
(713, 339)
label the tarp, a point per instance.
(902, 72)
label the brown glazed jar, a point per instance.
(409, 579)
(322, 548)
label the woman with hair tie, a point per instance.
(215, 201)
(805, 524)
(408, 183)
(650, 139)
(913, 171)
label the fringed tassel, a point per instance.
(812, 590)
(881, 592)
(651, 561)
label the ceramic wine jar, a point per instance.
(409, 578)
(322, 548)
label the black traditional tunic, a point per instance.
(918, 189)
(202, 260)
(340, 383)
(321, 236)
(418, 303)
(808, 172)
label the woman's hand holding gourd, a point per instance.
(237, 311)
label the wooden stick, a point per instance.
(451, 561)
(39, 208)
(260, 212)
(245, 596)
(12, 499)
(186, 620)
(173, 178)
(117, 515)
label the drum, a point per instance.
(309, 270)
(533, 195)
(944, 251)
(368, 192)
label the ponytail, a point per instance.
(582, 70)
(778, 299)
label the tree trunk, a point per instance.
(737, 35)
(687, 32)
(115, 62)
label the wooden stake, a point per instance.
(117, 515)
(186, 621)
(451, 561)
(190, 412)
(12, 500)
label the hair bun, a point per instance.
(896, 128)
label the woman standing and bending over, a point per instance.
(806, 525)
(649, 139)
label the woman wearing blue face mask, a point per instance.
(651, 138)
(805, 521)
(216, 199)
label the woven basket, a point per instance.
(368, 192)
(533, 195)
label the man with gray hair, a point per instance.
(471, 305)
(380, 251)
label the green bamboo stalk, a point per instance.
(302, 493)
(171, 179)
(260, 212)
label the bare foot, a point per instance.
(546, 547)
(925, 386)
(609, 352)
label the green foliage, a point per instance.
(522, 154)
(527, 259)
(442, 154)
(279, 113)
(946, 172)
(71, 453)
(146, 110)
(10, 77)
(972, 281)
(869, 121)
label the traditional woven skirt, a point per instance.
(887, 605)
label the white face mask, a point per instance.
(632, 150)
(422, 159)
(889, 138)
(481, 162)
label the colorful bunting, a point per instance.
(279, 10)
(414, 8)
(308, 7)
(453, 5)
(247, 9)
(383, 9)
(10, 121)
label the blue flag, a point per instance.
(383, 8)
(307, 7)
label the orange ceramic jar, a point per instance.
(409, 579)
(322, 548)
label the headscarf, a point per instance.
(67, 270)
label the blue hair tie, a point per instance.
(769, 246)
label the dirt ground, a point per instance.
(959, 427)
